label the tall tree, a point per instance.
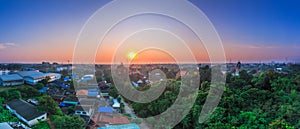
(47, 104)
(6, 115)
(46, 80)
(68, 122)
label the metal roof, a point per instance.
(5, 125)
(92, 92)
(32, 74)
(125, 126)
(11, 77)
(24, 109)
(82, 107)
(105, 109)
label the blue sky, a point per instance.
(251, 30)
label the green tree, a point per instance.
(46, 80)
(41, 125)
(245, 76)
(113, 92)
(39, 86)
(4, 94)
(268, 100)
(47, 104)
(6, 115)
(68, 122)
(15, 94)
(29, 91)
(280, 124)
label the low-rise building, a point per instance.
(26, 112)
(82, 93)
(116, 104)
(4, 72)
(11, 80)
(5, 125)
(32, 77)
(53, 76)
(85, 110)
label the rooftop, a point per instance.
(24, 109)
(105, 109)
(33, 74)
(92, 92)
(112, 119)
(82, 107)
(5, 125)
(125, 126)
(11, 77)
(82, 92)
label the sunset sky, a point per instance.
(251, 31)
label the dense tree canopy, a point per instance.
(23, 91)
(6, 115)
(68, 122)
(266, 100)
(47, 104)
(113, 92)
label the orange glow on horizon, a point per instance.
(152, 56)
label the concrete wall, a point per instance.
(35, 121)
(11, 83)
(31, 81)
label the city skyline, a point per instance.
(251, 31)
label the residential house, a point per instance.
(103, 120)
(26, 112)
(69, 101)
(85, 110)
(86, 107)
(11, 80)
(90, 92)
(106, 116)
(82, 93)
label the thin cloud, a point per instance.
(7, 45)
(261, 47)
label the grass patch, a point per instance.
(42, 125)
(3, 88)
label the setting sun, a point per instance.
(131, 55)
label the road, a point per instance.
(130, 111)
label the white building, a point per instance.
(5, 125)
(11, 80)
(116, 104)
(4, 72)
(32, 77)
(87, 77)
(53, 76)
(26, 112)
